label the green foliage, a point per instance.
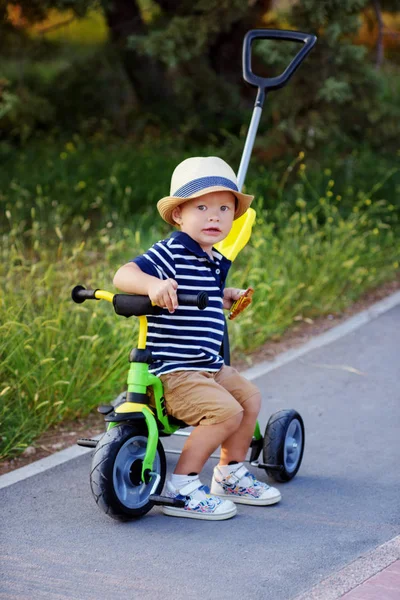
(22, 111)
(188, 43)
(311, 262)
(195, 87)
(50, 368)
(189, 36)
(335, 92)
(58, 92)
(337, 89)
(78, 186)
(75, 186)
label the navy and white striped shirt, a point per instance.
(188, 339)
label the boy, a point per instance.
(199, 389)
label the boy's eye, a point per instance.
(224, 208)
(202, 207)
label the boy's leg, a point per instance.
(203, 441)
(185, 484)
(196, 398)
(231, 479)
(236, 446)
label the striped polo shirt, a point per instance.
(189, 339)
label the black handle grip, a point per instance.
(201, 300)
(79, 294)
(274, 83)
(128, 305)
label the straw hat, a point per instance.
(197, 176)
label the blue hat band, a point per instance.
(202, 183)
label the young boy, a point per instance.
(199, 389)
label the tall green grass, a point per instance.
(307, 256)
(312, 262)
(58, 359)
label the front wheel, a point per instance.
(115, 477)
(284, 445)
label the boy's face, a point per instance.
(207, 219)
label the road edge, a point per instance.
(355, 573)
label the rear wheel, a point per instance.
(115, 477)
(284, 445)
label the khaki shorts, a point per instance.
(206, 398)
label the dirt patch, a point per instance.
(67, 433)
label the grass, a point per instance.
(314, 252)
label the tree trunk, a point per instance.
(147, 75)
(379, 41)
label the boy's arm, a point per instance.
(132, 280)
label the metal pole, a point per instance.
(248, 147)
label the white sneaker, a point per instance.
(199, 503)
(242, 487)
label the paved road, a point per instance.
(56, 544)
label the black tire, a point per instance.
(116, 472)
(284, 444)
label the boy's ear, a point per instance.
(177, 215)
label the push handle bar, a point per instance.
(265, 84)
(129, 305)
(273, 83)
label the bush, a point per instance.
(64, 88)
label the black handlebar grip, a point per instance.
(201, 300)
(128, 305)
(79, 294)
(274, 83)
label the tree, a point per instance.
(187, 55)
(379, 6)
(336, 87)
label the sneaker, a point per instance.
(199, 503)
(242, 487)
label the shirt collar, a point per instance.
(194, 247)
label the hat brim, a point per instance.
(166, 205)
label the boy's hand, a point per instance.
(162, 292)
(230, 295)
(242, 299)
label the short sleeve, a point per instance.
(158, 261)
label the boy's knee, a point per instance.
(253, 404)
(233, 423)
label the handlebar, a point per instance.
(129, 305)
(265, 84)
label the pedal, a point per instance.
(165, 501)
(261, 465)
(87, 443)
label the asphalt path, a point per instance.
(56, 544)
